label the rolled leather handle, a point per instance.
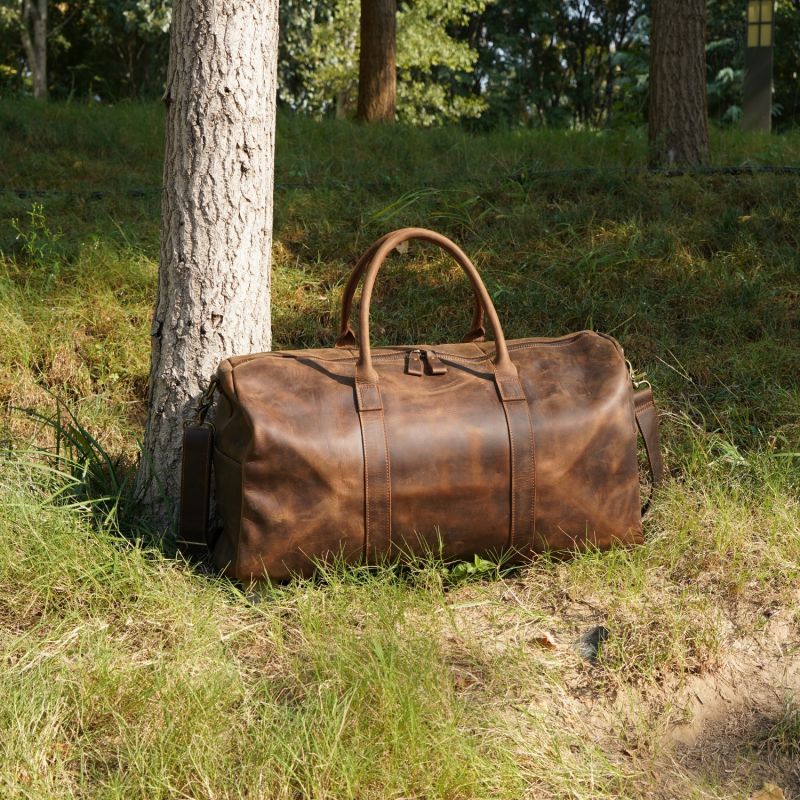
(347, 336)
(505, 371)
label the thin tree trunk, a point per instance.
(34, 42)
(609, 87)
(214, 278)
(377, 62)
(678, 114)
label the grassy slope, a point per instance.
(126, 676)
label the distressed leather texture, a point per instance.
(490, 448)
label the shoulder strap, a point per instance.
(198, 444)
(647, 422)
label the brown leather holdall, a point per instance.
(489, 448)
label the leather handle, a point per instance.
(347, 336)
(507, 378)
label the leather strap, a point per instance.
(377, 473)
(522, 527)
(347, 337)
(365, 373)
(198, 444)
(647, 422)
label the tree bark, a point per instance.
(214, 277)
(34, 42)
(678, 113)
(377, 61)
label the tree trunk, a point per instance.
(214, 277)
(678, 114)
(34, 42)
(377, 61)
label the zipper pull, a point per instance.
(435, 364)
(414, 363)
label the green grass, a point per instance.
(784, 735)
(126, 675)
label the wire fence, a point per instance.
(523, 174)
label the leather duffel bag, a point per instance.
(499, 449)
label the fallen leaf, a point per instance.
(545, 640)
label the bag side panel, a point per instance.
(232, 443)
(587, 476)
(303, 477)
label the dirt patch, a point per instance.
(678, 735)
(728, 714)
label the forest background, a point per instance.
(528, 63)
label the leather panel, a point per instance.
(291, 420)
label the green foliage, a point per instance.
(786, 99)
(475, 569)
(12, 66)
(40, 249)
(561, 63)
(434, 66)
(554, 63)
(322, 41)
(107, 49)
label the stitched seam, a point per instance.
(650, 404)
(514, 470)
(532, 526)
(366, 487)
(512, 531)
(250, 425)
(388, 485)
(354, 353)
(377, 390)
(206, 492)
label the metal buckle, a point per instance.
(637, 378)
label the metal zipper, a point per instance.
(400, 354)
(472, 359)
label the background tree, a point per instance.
(319, 59)
(214, 277)
(34, 40)
(678, 115)
(377, 61)
(559, 63)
